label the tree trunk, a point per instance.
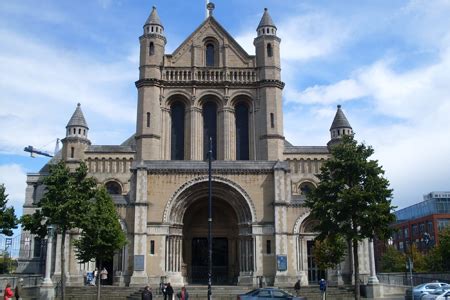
(63, 264)
(99, 283)
(356, 267)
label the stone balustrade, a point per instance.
(209, 75)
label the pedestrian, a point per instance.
(103, 276)
(147, 293)
(164, 290)
(18, 289)
(183, 295)
(323, 288)
(8, 292)
(95, 276)
(169, 291)
(297, 287)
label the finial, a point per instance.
(153, 7)
(210, 7)
(78, 104)
(265, 9)
(339, 106)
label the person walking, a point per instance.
(147, 293)
(163, 290)
(183, 295)
(8, 292)
(297, 288)
(169, 292)
(323, 288)
(18, 289)
(103, 276)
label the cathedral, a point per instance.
(208, 90)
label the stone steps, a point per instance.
(195, 292)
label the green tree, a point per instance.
(438, 258)
(353, 198)
(393, 260)
(64, 204)
(330, 251)
(101, 234)
(8, 219)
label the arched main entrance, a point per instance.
(232, 215)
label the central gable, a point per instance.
(192, 52)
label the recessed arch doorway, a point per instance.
(233, 251)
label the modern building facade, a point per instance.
(208, 88)
(421, 223)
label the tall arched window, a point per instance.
(151, 48)
(209, 128)
(269, 50)
(210, 55)
(177, 135)
(242, 144)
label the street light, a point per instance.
(209, 220)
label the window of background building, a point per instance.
(415, 229)
(442, 224)
(406, 232)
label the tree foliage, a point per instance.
(353, 199)
(393, 260)
(101, 234)
(64, 204)
(8, 219)
(330, 251)
(438, 258)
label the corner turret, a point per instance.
(152, 49)
(267, 45)
(339, 127)
(76, 140)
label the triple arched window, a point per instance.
(210, 128)
(242, 130)
(177, 111)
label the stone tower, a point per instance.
(270, 119)
(76, 141)
(148, 127)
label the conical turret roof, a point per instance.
(266, 20)
(154, 19)
(77, 119)
(340, 121)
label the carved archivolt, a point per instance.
(299, 222)
(197, 188)
(297, 189)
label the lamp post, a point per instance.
(48, 260)
(209, 220)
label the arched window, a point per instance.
(177, 133)
(151, 49)
(305, 188)
(113, 188)
(269, 50)
(209, 128)
(210, 55)
(242, 144)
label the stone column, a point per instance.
(174, 259)
(196, 134)
(166, 137)
(139, 276)
(229, 136)
(373, 279)
(246, 260)
(48, 260)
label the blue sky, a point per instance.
(386, 62)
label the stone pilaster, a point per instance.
(139, 276)
(196, 134)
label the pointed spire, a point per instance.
(154, 19)
(77, 119)
(339, 127)
(266, 20)
(340, 121)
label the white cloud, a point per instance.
(311, 36)
(41, 85)
(14, 179)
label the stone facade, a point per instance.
(208, 87)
